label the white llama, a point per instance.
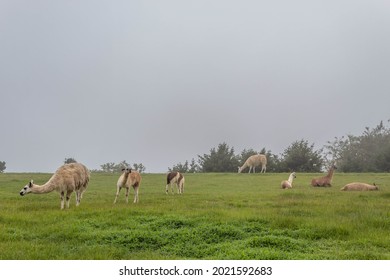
(175, 178)
(129, 178)
(69, 178)
(288, 184)
(253, 161)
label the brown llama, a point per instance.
(325, 181)
(129, 178)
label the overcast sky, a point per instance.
(161, 82)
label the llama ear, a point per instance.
(123, 169)
(31, 183)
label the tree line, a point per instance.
(300, 156)
(368, 152)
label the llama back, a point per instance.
(134, 179)
(256, 160)
(171, 176)
(72, 174)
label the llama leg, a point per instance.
(82, 190)
(135, 194)
(250, 168)
(117, 193)
(68, 193)
(127, 195)
(62, 200)
(78, 197)
(166, 189)
(254, 169)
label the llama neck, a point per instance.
(46, 188)
(290, 178)
(330, 173)
(124, 176)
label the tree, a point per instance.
(111, 167)
(69, 160)
(108, 167)
(139, 167)
(2, 166)
(369, 152)
(192, 167)
(180, 167)
(301, 157)
(221, 159)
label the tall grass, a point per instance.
(219, 216)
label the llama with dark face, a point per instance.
(129, 178)
(69, 178)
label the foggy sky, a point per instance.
(161, 82)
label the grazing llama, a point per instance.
(175, 178)
(69, 178)
(356, 186)
(129, 178)
(288, 184)
(253, 161)
(325, 181)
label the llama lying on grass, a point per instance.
(129, 178)
(325, 181)
(175, 178)
(288, 184)
(253, 161)
(356, 186)
(69, 178)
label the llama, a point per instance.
(357, 186)
(69, 178)
(253, 161)
(175, 178)
(129, 178)
(288, 184)
(325, 181)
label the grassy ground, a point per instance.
(220, 216)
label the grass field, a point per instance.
(220, 216)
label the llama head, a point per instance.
(126, 170)
(27, 188)
(239, 170)
(294, 175)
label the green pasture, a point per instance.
(219, 216)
